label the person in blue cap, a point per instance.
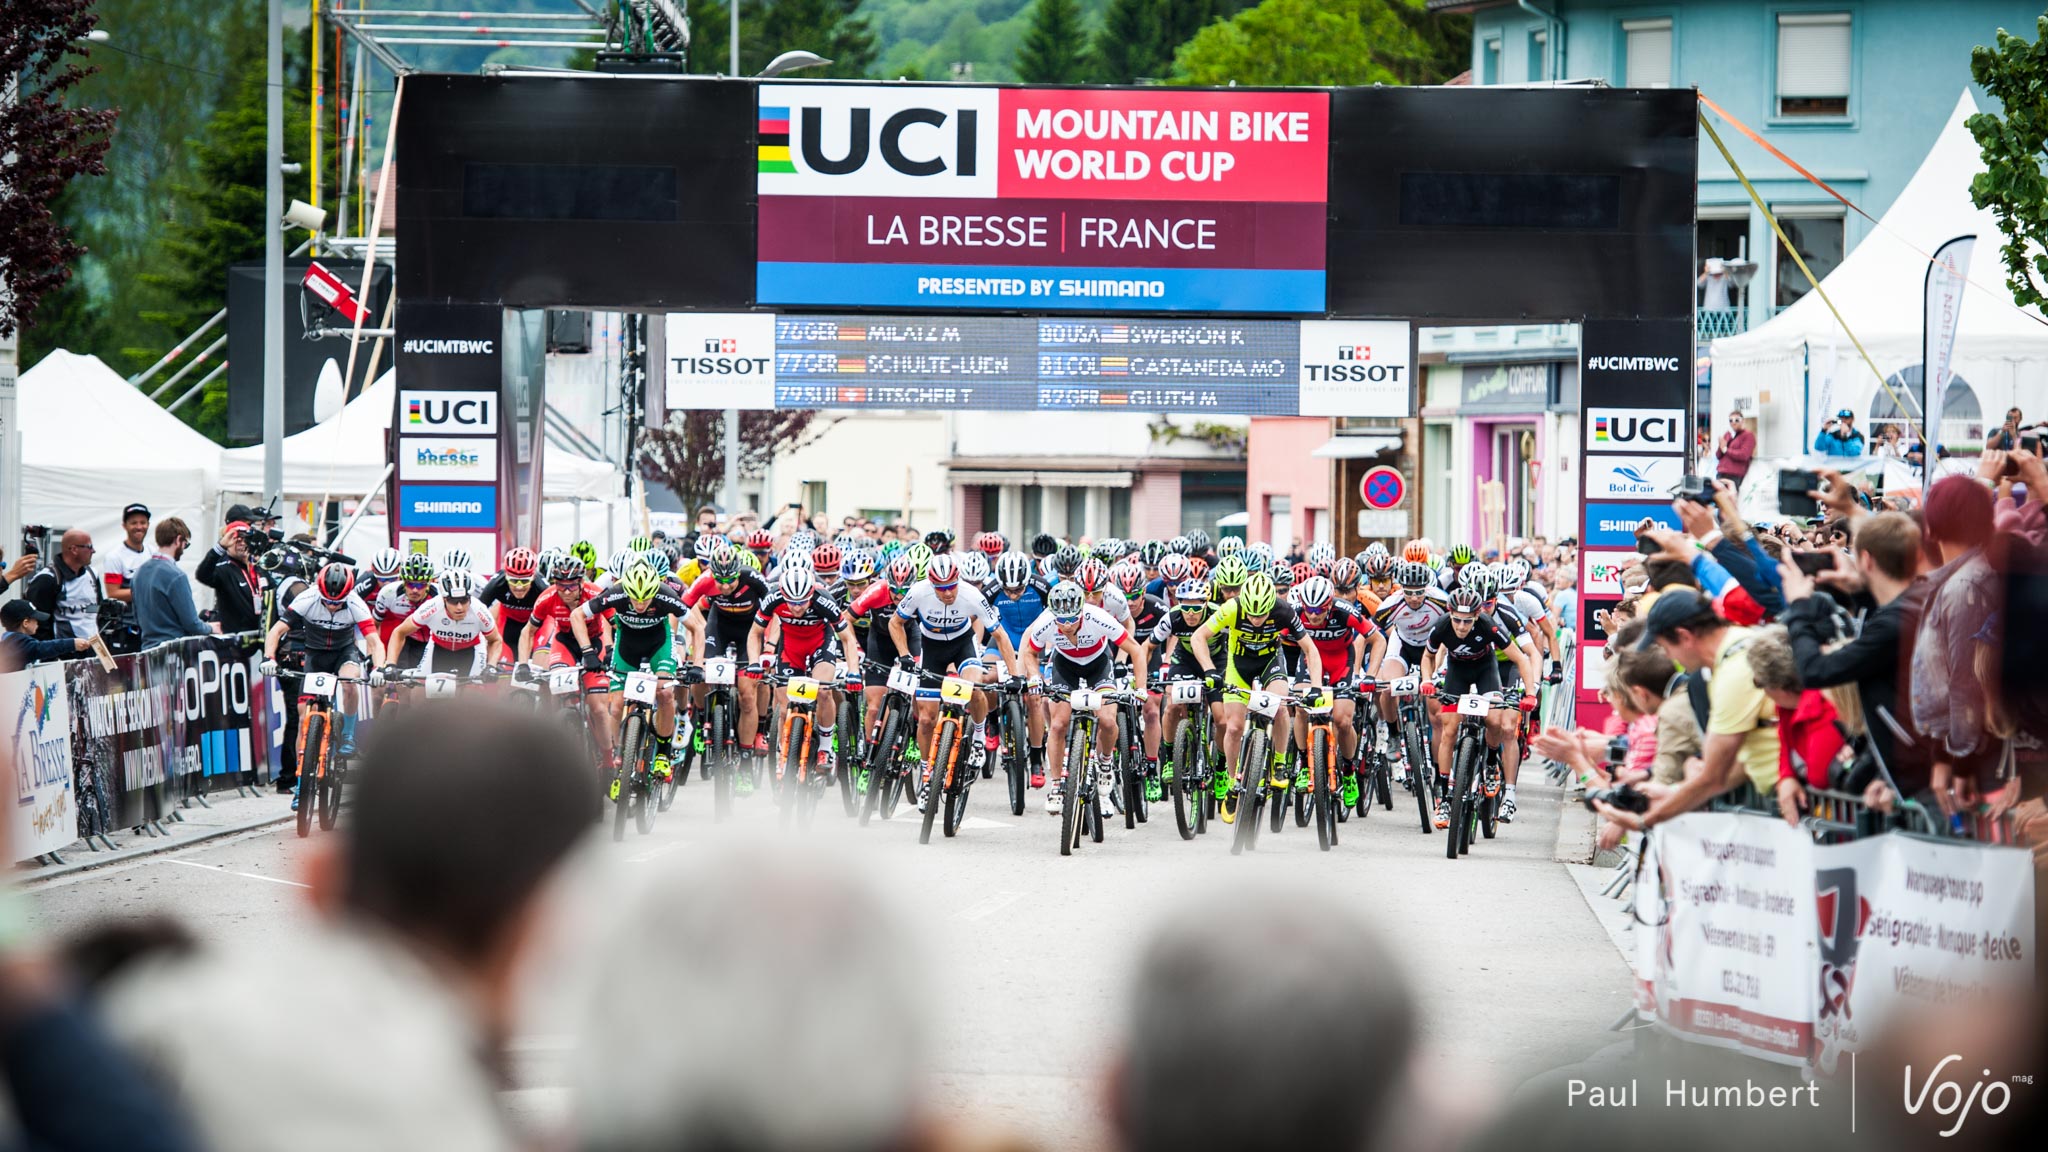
(1839, 437)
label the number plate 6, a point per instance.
(1085, 700)
(1472, 705)
(1264, 703)
(640, 686)
(718, 670)
(956, 690)
(320, 684)
(561, 681)
(803, 690)
(903, 681)
(1187, 691)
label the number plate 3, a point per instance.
(1264, 703)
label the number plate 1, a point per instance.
(561, 681)
(803, 689)
(956, 690)
(1264, 703)
(640, 686)
(901, 680)
(1472, 705)
(719, 670)
(1187, 691)
(320, 684)
(1085, 699)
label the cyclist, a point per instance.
(1456, 561)
(511, 594)
(1410, 619)
(1351, 646)
(382, 569)
(1080, 642)
(871, 613)
(811, 635)
(1514, 589)
(1463, 647)
(337, 628)
(1171, 569)
(1480, 578)
(1019, 600)
(827, 561)
(1174, 654)
(1127, 577)
(735, 593)
(461, 637)
(1255, 625)
(547, 637)
(952, 622)
(1229, 577)
(642, 608)
(401, 599)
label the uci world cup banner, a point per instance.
(1100, 200)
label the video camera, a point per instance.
(1622, 796)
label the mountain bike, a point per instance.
(799, 782)
(1129, 751)
(948, 777)
(1193, 746)
(847, 728)
(721, 736)
(1375, 768)
(632, 786)
(1326, 794)
(1015, 739)
(1414, 732)
(1260, 778)
(883, 759)
(321, 773)
(1081, 791)
(1476, 777)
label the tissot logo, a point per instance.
(1632, 363)
(421, 346)
(717, 344)
(1355, 352)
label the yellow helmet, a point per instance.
(640, 581)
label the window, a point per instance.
(1722, 239)
(1033, 520)
(1817, 233)
(1647, 44)
(1489, 61)
(1539, 55)
(1120, 513)
(1962, 417)
(991, 507)
(813, 497)
(1280, 522)
(1813, 64)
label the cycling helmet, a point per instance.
(1046, 571)
(384, 565)
(544, 562)
(1412, 575)
(1044, 545)
(1283, 577)
(1152, 553)
(1514, 575)
(1198, 567)
(1258, 596)
(1465, 600)
(902, 573)
(1180, 544)
(1194, 591)
(1461, 554)
(847, 541)
(725, 566)
(1174, 567)
(1379, 567)
(797, 558)
(1229, 546)
(658, 559)
(859, 566)
(1315, 594)
(1344, 573)
(456, 558)
(942, 571)
(760, 541)
(1129, 577)
(640, 543)
(751, 559)
(1013, 570)
(621, 560)
(939, 541)
(1066, 560)
(1319, 554)
(1198, 541)
(568, 570)
(707, 545)
(1256, 560)
(456, 584)
(797, 583)
(640, 581)
(920, 556)
(520, 564)
(826, 559)
(1091, 575)
(1302, 570)
(418, 568)
(989, 544)
(1479, 580)
(1112, 550)
(1376, 549)
(1231, 572)
(1066, 603)
(973, 567)
(335, 582)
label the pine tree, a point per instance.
(1139, 37)
(1055, 48)
(831, 28)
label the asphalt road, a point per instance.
(1513, 972)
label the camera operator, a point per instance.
(228, 569)
(67, 589)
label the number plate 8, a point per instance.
(1187, 691)
(1472, 705)
(1264, 703)
(320, 684)
(956, 690)
(640, 687)
(718, 671)
(803, 689)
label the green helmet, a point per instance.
(583, 550)
(419, 568)
(1461, 553)
(748, 558)
(1231, 572)
(640, 581)
(640, 543)
(920, 556)
(1259, 595)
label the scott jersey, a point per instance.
(1116, 604)
(329, 627)
(1019, 612)
(1146, 611)
(1261, 639)
(446, 631)
(1334, 635)
(805, 625)
(1097, 634)
(940, 621)
(733, 607)
(1486, 638)
(1412, 625)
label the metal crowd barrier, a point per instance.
(1837, 817)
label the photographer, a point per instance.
(67, 589)
(1839, 437)
(226, 568)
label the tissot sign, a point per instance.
(1042, 199)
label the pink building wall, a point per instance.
(1279, 464)
(1155, 505)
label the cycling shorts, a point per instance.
(941, 656)
(1256, 671)
(1184, 667)
(560, 654)
(411, 652)
(1062, 675)
(1466, 676)
(332, 661)
(662, 661)
(1510, 676)
(724, 630)
(800, 660)
(460, 661)
(1411, 655)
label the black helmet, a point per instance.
(1198, 541)
(1066, 560)
(1180, 544)
(939, 541)
(1043, 544)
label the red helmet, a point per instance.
(521, 564)
(826, 559)
(1302, 571)
(760, 541)
(989, 543)
(1197, 567)
(1129, 577)
(335, 582)
(1091, 575)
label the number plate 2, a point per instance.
(803, 690)
(1472, 705)
(903, 681)
(640, 687)
(1264, 703)
(719, 671)
(956, 690)
(320, 684)
(1187, 691)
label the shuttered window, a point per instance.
(1647, 44)
(1813, 64)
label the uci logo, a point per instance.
(947, 141)
(1654, 430)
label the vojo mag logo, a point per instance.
(1649, 430)
(874, 140)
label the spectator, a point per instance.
(1658, 688)
(1809, 734)
(2006, 436)
(163, 594)
(237, 588)
(20, 642)
(402, 984)
(1713, 284)
(1738, 448)
(130, 555)
(67, 587)
(1948, 698)
(1300, 1001)
(23, 566)
(1839, 437)
(707, 518)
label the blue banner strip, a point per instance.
(926, 286)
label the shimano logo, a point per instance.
(471, 507)
(1632, 364)
(423, 347)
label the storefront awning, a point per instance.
(1044, 479)
(1355, 447)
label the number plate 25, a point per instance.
(1403, 687)
(640, 687)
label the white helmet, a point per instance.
(1513, 575)
(1314, 593)
(457, 584)
(1013, 569)
(1320, 553)
(974, 567)
(797, 582)
(455, 558)
(386, 563)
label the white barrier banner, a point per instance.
(35, 728)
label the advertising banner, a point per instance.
(448, 506)
(447, 458)
(35, 723)
(1044, 199)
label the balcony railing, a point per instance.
(1716, 322)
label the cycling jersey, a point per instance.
(641, 633)
(1097, 634)
(329, 627)
(1447, 576)
(393, 605)
(1486, 638)
(1412, 625)
(1370, 601)
(733, 609)
(512, 612)
(1017, 613)
(871, 614)
(1262, 639)
(1529, 607)
(1510, 622)
(688, 571)
(806, 630)
(445, 631)
(1333, 637)
(937, 620)
(550, 617)
(1145, 614)
(1116, 604)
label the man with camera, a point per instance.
(68, 589)
(1839, 437)
(229, 570)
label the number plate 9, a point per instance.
(1472, 705)
(1264, 703)
(640, 687)
(803, 690)
(1085, 700)
(320, 684)
(561, 681)
(718, 670)
(956, 690)
(1187, 691)
(903, 681)
(440, 686)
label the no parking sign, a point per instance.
(1382, 488)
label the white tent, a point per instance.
(1801, 363)
(92, 443)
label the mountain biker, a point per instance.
(1019, 601)
(547, 635)
(1255, 626)
(1080, 643)
(1463, 648)
(952, 622)
(871, 614)
(642, 608)
(400, 598)
(1350, 645)
(811, 634)
(512, 593)
(1176, 654)
(734, 593)
(462, 637)
(338, 629)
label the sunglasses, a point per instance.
(1457, 619)
(418, 585)
(519, 582)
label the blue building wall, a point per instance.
(1910, 59)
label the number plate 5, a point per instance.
(320, 684)
(1472, 705)
(1187, 691)
(1264, 703)
(903, 681)
(1085, 699)
(640, 687)
(956, 690)
(803, 690)
(561, 681)
(718, 670)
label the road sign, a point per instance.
(1382, 488)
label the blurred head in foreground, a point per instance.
(1282, 1030)
(762, 1004)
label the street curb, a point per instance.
(1576, 829)
(152, 847)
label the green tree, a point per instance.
(1316, 42)
(1055, 48)
(1138, 37)
(2015, 73)
(831, 28)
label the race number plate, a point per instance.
(1187, 691)
(1321, 703)
(719, 670)
(561, 681)
(956, 690)
(320, 684)
(1264, 703)
(1085, 699)
(904, 681)
(1403, 687)
(803, 690)
(1472, 705)
(440, 685)
(640, 686)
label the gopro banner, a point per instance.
(1041, 199)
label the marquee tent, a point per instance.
(1801, 364)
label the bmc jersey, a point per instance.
(1486, 638)
(1333, 637)
(1098, 634)
(937, 620)
(329, 627)
(446, 631)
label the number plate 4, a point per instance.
(803, 690)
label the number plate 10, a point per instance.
(1187, 691)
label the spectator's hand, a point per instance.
(1840, 496)
(23, 565)
(2003, 800)
(81, 644)
(1791, 800)
(1844, 577)
(227, 537)
(1991, 465)
(1726, 498)
(1952, 791)
(1610, 835)
(1796, 583)
(1556, 744)
(1880, 797)
(1672, 545)
(2033, 473)
(1698, 522)
(1613, 815)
